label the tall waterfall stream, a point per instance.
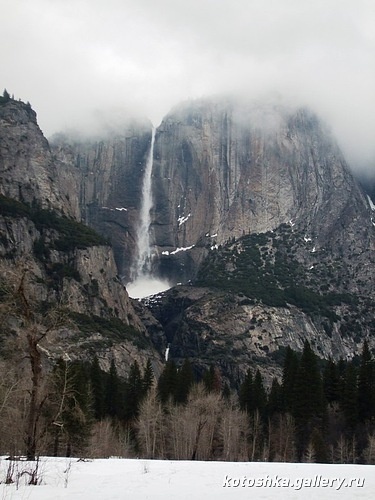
(143, 283)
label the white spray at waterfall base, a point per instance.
(145, 286)
(143, 282)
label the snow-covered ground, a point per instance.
(120, 479)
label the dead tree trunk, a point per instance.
(33, 336)
(200, 428)
(35, 403)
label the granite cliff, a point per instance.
(223, 169)
(64, 261)
(103, 178)
(253, 205)
(281, 235)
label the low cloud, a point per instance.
(75, 60)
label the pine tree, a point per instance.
(167, 382)
(112, 393)
(349, 396)
(148, 378)
(97, 388)
(331, 381)
(6, 96)
(185, 379)
(246, 394)
(290, 370)
(134, 392)
(275, 399)
(308, 393)
(308, 407)
(259, 394)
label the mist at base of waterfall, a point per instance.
(144, 286)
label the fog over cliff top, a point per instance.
(79, 62)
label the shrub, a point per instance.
(71, 234)
(111, 328)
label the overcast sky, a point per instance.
(78, 61)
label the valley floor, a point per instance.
(119, 479)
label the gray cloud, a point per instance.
(77, 59)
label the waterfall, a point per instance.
(143, 283)
(143, 261)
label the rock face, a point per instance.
(103, 179)
(40, 209)
(221, 169)
(253, 204)
(211, 327)
(258, 294)
(27, 167)
(224, 169)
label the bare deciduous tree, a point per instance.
(150, 427)
(203, 411)
(234, 433)
(346, 450)
(369, 452)
(255, 428)
(18, 302)
(109, 440)
(281, 431)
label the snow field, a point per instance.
(125, 479)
